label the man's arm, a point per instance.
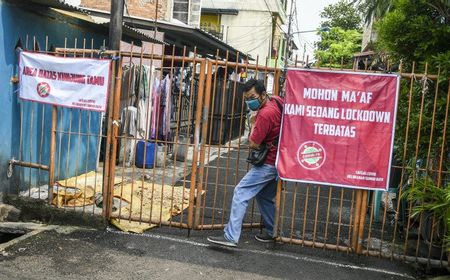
(252, 144)
(259, 132)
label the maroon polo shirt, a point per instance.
(267, 127)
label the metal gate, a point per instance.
(176, 146)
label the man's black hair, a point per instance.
(258, 84)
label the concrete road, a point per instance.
(167, 253)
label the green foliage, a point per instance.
(418, 30)
(373, 9)
(338, 45)
(427, 197)
(342, 14)
(416, 133)
(413, 31)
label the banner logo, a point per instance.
(311, 155)
(43, 89)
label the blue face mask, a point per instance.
(253, 104)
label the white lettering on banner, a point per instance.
(356, 96)
(334, 130)
(366, 115)
(322, 112)
(337, 113)
(294, 109)
(320, 94)
(70, 82)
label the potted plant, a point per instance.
(433, 204)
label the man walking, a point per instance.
(260, 181)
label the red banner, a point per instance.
(338, 128)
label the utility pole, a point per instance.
(115, 35)
(304, 53)
(288, 41)
(115, 24)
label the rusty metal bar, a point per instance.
(371, 218)
(156, 138)
(51, 167)
(305, 211)
(357, 211)
(107, 161)
(340, 217)
(150, 221)
(200, 205)
(210, 138)
(198, 117)
(330, 191)
(422, 102)
(28, 164)
(145, 146)
(172, 61)
(444, 134)
(114, 132)
(283, 203)
(219, 226)
(294, 200)
(225, 74)
(178, 117)
(411, 92)
(164, 140)
(411, 259)
(313, 244)
(31, 148)
(231, 119)
(316, 215)
(404, 151)
(126, 138)
(362, 218)
(277, 208)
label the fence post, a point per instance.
(204, 133)
(51, 168)
(357, 209)
(358, 220)
(277, 207)
(114, 134)
(362, 219)
(198, 116)
(106, 159)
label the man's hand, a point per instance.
(253, 145)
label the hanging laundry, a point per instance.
(155, 107)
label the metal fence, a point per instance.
(174, 144)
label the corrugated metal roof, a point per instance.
(179, 31)
(77, 12)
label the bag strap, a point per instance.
(279, 105)
(275, 141)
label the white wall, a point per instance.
(249, 32)
(247, 5)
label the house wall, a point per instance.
(16, 23)
(249, 32)
(273, 6)
(252, 30)
(137, 8)
(195, 7)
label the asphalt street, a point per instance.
(167, 253)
